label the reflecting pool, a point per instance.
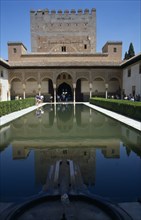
(107, 152)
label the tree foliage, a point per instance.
(130, 52)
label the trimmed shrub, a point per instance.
(7, 107)
(124, 107)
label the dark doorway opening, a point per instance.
(79, 95)
(50, 92)
(64, 92)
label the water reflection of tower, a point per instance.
(19, 152)
(112, 150)
(84, 157)
(64, 117)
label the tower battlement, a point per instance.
(65, 12)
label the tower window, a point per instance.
(85, 46)
(63, 48)
(14, 50)
(115, 49)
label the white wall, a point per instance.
(4, 85)
(133, 80)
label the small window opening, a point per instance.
(63, 48)
(129, 72)
(15, 50)
(85, 46)
(115, 49)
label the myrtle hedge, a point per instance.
(125, 107)
(7, 107)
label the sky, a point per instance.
(116, 20)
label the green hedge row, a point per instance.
(128, 108)
(7, 107)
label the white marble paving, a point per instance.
(14, 115)
(128, 121)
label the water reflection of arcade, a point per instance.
(65, 125)
(64, 117)
(55, 117)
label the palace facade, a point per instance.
(63, 60)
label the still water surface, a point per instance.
(107, 152)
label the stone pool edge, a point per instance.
(14, 115)
(128, 121)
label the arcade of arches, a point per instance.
(65, 86)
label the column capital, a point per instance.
(106, 85)
(39, 86)
(74, 85)
(24, 86)
(90, 85)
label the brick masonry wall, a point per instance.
(51, 31)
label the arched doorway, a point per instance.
(64, 91)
